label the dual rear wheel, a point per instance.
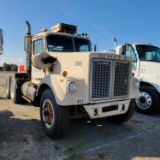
(12, 90)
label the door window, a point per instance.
(38, 46)
(130, 52)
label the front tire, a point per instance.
(148, 102)
(54, 118)
(126, 116)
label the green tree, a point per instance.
(6, 67)
(14, 67)
(9, 67)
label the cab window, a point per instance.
(59, 43)
(130, 52)
(38, 46)
(82, 45)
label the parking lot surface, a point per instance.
(22, 137)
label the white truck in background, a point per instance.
(66, 79)
(146, 67)
(1, 41)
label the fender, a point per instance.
(153, 85)
(58, 85)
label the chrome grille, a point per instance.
(100, 79)
(121, 79)
(109, 79)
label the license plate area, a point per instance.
(110, 108)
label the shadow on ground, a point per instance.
(86, 139)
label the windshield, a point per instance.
(148, 53)
(62, 43)
(82, 45)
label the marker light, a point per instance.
(64, 73)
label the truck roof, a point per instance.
(145, 44)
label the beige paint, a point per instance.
(77, 66)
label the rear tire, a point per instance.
(54, 118)
(149, 101)
(8, 87)
(126, 116)
(15, 91)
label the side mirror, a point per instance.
(1, 50)
(27, 43)
(95, 47)
(122, 50)
(134, 60)
(1, 41)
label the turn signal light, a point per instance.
(64, 73)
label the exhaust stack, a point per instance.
(27, 48)
(28, 29)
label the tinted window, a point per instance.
(59, 43)
(62, 43)
(130, 52)
(148, 53)
(82, 45)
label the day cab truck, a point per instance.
(146, 67)
(1, 41)
(66, 79)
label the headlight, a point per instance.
(71, 86)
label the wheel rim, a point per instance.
(144, 101)
(48, 113)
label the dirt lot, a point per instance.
(22, 138)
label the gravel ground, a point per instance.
(22, 137)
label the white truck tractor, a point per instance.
(67, 80)
(146, 66)
(1, 41)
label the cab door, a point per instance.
(38, 47)
(129, 50)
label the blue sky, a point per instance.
(131, 21)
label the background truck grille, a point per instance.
(109, 79)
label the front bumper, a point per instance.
(107, 109)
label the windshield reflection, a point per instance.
(148, 53)
(62, 43)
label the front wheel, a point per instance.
(148, 102)
(126, 116)
(54, 118)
